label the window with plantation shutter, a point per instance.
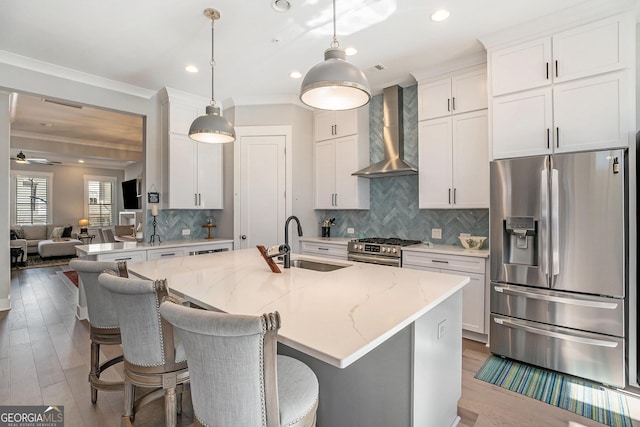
(32, 197)
(100, 199)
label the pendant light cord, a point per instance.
(212, 62)
(335, 42)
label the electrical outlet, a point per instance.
(442, 328)
(350, 230)
(186, 232)
(436, 233)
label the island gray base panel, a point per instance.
(379, 389)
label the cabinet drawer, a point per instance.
(132, 256)
(444, 262)
(324, 249)
(215, 247)
(165, 253)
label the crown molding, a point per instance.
(31, 64)
(568, 18)
(470, 61)
(263, 100)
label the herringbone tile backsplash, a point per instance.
(394, 201)
(171, 222)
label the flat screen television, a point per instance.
(130, 194)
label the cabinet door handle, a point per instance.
(547, 66)
(548, 138)
(336, 199)
(440, 261)
(556, 68)
(449, 196)
(195, 199)
(448, 104)
(453, 103)
(323, 249)
(333, 203)
(454, 196)
(199, 199)
(171, 254)
(557, 137)
(123, 259)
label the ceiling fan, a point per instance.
(21, 158)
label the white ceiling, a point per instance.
(147, 43)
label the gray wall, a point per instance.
(394, 201)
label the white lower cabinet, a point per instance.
(474, 295)
(328, 249)
(165, 253)
(129, 256)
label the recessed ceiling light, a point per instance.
(440, 15)
(350, 51)
(80, 161)
(295, 74)
(191, 68)
(280, 5)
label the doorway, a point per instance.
(262, 183)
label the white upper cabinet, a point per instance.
(452, 95)
(522, 124)
(195, 174)
(335, 187)
(193, 171)
(454, 162)
(571, 91)
(334, 124)
(579, 115)
(591, 49)
(521, 67)
(341, 147)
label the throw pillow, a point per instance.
(67, 231)
(56, 233)
(19, 232)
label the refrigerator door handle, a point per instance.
(562, 336)
(555, 226)
(544, 220)
(561, 300)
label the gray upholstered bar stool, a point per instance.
(236, 377)
(152, 358)
(102, 319)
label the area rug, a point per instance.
(72, 275)
(580, 397)
(34, 261)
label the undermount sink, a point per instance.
(316, 265)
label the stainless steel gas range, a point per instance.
(375, 250)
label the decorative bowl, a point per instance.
(472, 242)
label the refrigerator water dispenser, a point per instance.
(520, 240)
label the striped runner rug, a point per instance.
(580, 397)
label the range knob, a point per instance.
(385, 249)
(394, 250)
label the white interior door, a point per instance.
(260, 186)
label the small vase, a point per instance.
(326, 231)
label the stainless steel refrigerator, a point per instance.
(558, 263)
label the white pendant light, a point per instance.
(335, 84)
(212, 127)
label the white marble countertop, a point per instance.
(434, 248)
(448, 250)
(336, 316)
(100, 248)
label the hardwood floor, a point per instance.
(44, 359)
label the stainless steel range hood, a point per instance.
(393, 163)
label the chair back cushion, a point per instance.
(107, 234)
(225, 354)
(143, 333)
(102, 311)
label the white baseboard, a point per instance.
(5, 304)
(82, 313)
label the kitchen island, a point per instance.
(384, 342)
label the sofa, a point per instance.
(47, 240)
